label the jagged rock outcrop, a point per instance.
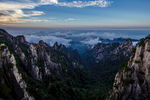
(133, 81)
(39, 59)
(124, 49)
(73, 55)
(108, 56)
(10, 76)
(112, 51)
(37, 70)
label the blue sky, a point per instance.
(75, 13)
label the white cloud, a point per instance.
(16, 5)
(36, 13)
(107, 35)
(12, 12)
(71, 19)
(91, 41)
(81, 4)
(48, 39)
(47, 2)
(16, 15)
(89, 35)
(104, 35)
(134, 43)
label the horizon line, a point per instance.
(80, 27)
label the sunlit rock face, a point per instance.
(39, 60)
(10, 76)
(133, 81)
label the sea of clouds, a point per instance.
(87, 38)
(81, 37)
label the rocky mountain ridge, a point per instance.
(104, 51)
(37, 71)
(132, 82)
(34, 66)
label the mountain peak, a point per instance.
(21, 39)
(128, 42)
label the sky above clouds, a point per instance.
(75, 13)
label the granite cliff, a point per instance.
(31, 71)
(133, 81)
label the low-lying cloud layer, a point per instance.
(91, 41)
(66, 37)
(104, 35)
(48, 39)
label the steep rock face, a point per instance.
(70, 53)
(42, 71)
(125, 49)
(107, 51)
(40, 60)
(108, 56)
(10, 76)
(133, 81)
(103, 50)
